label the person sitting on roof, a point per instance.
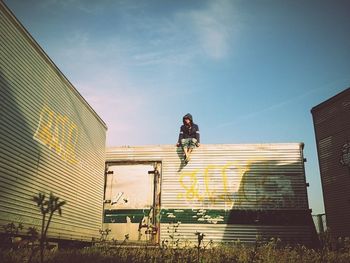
(188, 137)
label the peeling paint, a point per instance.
(171, 215)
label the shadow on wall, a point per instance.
(271, 202)
(17, 147)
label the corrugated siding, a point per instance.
(250, 177)
(233, 233)
(51, 139)
(332, 129)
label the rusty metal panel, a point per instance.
(243, 186)
(332, 129)
(51, 139)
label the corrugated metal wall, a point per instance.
(229, 192)
(332, 128)
(51, 139)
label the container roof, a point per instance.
(331, 100)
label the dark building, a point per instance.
(332, 129)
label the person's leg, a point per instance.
(185, 152)
(188, 157)
(193, 142)
(184, 144)
(191, 145)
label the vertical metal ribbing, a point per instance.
(51, 139)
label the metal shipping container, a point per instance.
(332, 129)
(50, 140)
(226, 192)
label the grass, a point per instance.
(268, 252)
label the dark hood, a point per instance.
(187, 116)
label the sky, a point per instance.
(248, 71)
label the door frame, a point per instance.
(157, 184)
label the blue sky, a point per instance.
(248, 71)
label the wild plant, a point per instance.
(104, 234)
(47, 207)
(11, 233)
(174, 235)
(200, 237)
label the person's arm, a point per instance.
(198, 136)
(181, 135)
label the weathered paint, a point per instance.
(228, 192)
(129, 201)
(59, 133)
(51, 140)
(332, 129)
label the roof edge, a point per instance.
(330, 100)
(300, 144)
(41, 51)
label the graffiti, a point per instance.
(235, 185)
(345, 157)
(58, 133)
(214, 188)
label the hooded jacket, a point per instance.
(189, 131)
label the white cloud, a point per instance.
(274, 107)
(122, 108)
(128, 79)
(85, 6)
(104, 74)
(215, 27)
(170, 57)
(185, 36)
